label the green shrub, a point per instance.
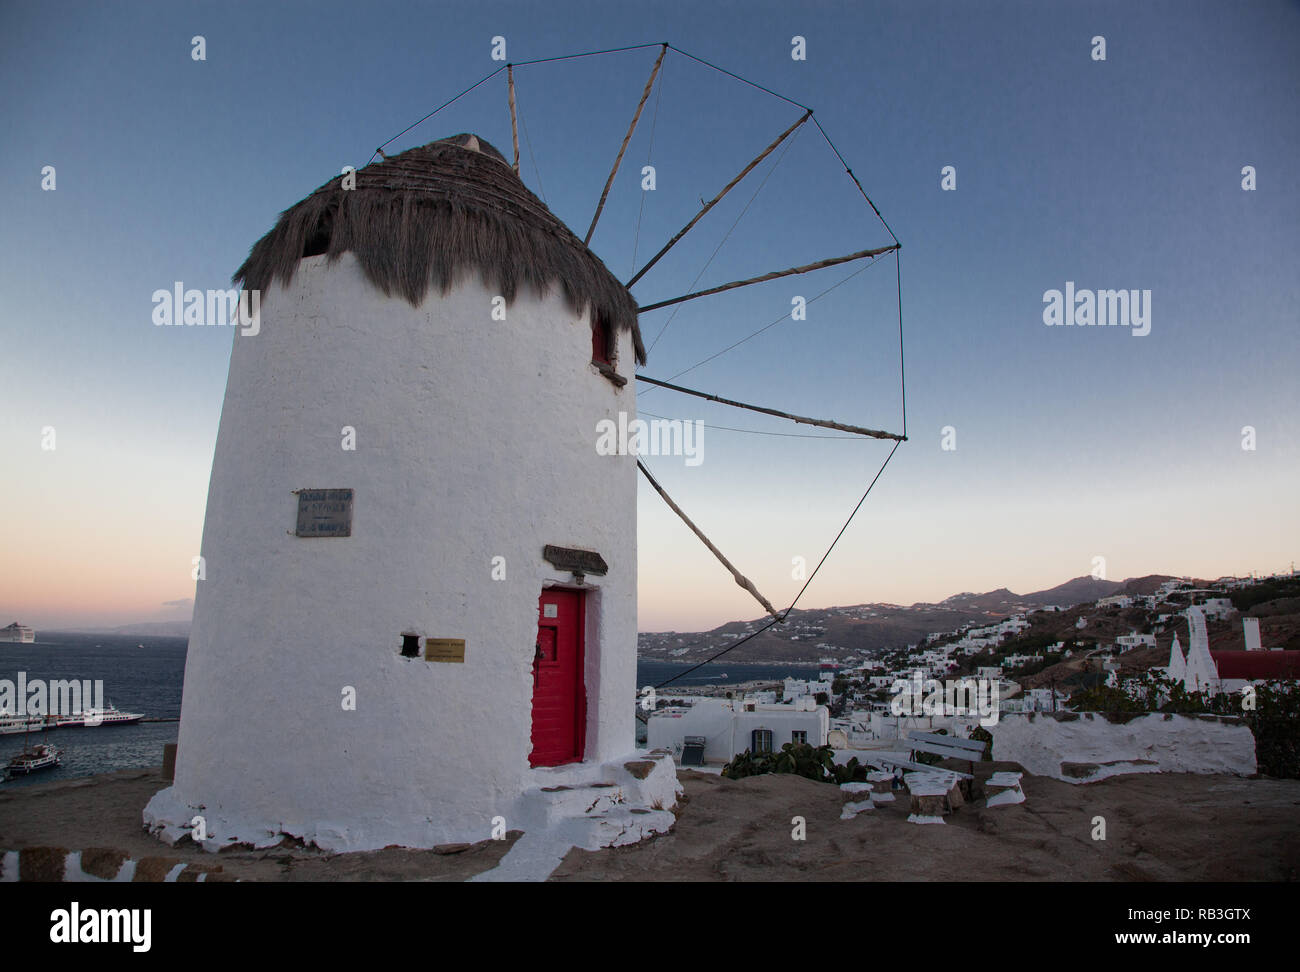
(799, 759)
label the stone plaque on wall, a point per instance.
(324, 513)
(578, 561)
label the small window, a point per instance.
(799, 736)
(604, 351)
(410, 646)
(762, 741)
(602, 343)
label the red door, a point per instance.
(559, 693)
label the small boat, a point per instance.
(39, 757)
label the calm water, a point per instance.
(136, 679)
(717, 673)
(145, 674)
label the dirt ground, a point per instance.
(1158, 827)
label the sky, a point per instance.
(1032, 450)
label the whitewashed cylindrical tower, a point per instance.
(419, 583)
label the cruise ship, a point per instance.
(110, 715)
(17, 634)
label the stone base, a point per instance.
(596, 804)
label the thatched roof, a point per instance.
(433, 213)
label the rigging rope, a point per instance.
(529, 142)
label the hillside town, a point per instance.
(1154, 639)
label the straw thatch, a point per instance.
(432, 214)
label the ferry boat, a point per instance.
(110, 715)
(18, 634)
(13, 724)
(39, 757)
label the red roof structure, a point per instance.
(1253, 665)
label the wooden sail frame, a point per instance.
(898, 438)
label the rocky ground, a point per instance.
(1158, 827)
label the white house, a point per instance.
(1134, 640)
(794, 688)
(418, 604)
(731, 727)
(1217, 607)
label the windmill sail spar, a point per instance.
(654, 73)
(741, 579)
(714, 201)
(802, 419)
(806, 268)
(514, 115)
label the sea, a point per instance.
(141, 673)
(145, 673)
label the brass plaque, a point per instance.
(324, 513)
(444, 649)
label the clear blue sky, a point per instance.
(1072, 443)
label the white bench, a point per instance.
(890, 760)
(949, 747)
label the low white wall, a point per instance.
(1086, 746)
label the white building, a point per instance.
(1134, 640)
(1217, 607)
(419, 598)
(1200, 673)
(1250, 630)
(794, 688)
(730, 727)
